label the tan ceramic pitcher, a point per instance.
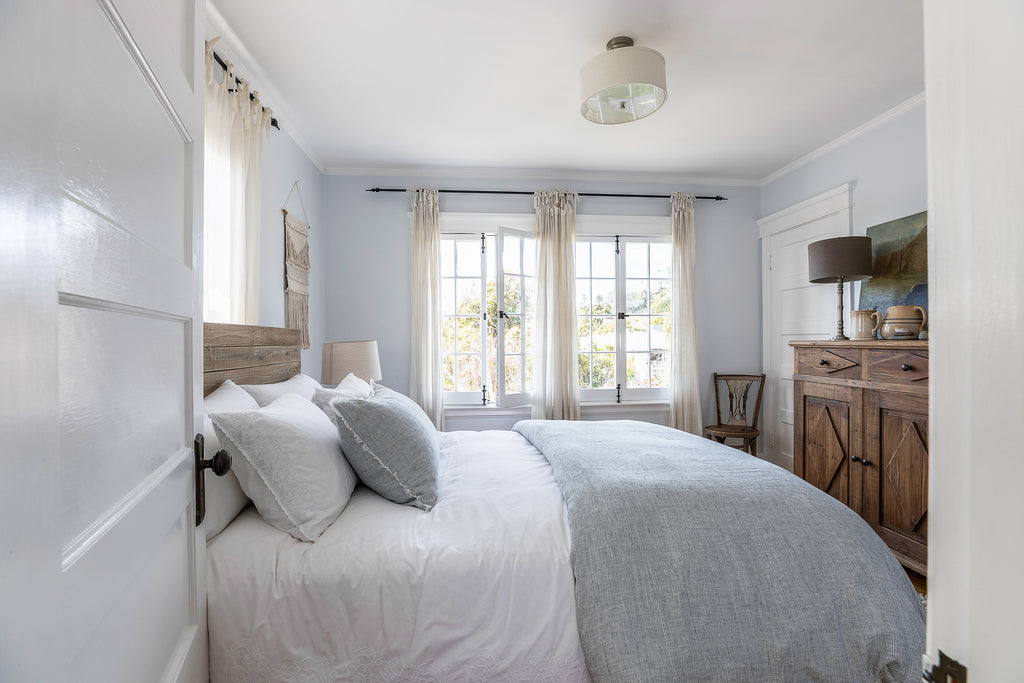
(904, 322)
(865, 324)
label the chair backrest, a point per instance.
(739, 387)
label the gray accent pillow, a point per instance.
(288, 460)
(391, 444)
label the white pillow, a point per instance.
(350, 387)
(300, 384)
(224, 497)
(288, 460)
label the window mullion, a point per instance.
(483, 319)
(499, 289)
(620, 323)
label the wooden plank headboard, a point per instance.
(248, 354)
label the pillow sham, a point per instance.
(350, 387)
(288, 460)
(391, 444)
(300, 384)
(224, 496)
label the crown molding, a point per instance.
(539, 174)
(845, 138)
(234, 50)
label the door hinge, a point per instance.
(618, 393)
(948, 671)
(485, 394)
(616, 244)
(483, 243)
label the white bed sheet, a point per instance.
(478, 589)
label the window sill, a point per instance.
(586, 408)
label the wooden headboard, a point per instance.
(248, 354)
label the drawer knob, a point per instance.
(822, 361)
(906, 368)
(865, 462)
(854, 458)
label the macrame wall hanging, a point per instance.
(296, 265)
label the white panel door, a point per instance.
(793, 308)
(102, 570)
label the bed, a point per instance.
(560, 552)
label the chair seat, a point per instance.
(731, 431)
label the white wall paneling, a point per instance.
(793, 308)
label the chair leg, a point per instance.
(752, 446)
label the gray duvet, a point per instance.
(697, 562)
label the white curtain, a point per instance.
(685, 410)
(233, 190)
(425, 373)
(556, 393)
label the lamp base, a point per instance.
(839, 324)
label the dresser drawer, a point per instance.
(898, 367)
(829, 362)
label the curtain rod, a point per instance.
(717, 198)
(224, 65)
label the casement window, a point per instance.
(623, 313)
(488, 293)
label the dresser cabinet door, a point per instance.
(824, 437)
(895, 473)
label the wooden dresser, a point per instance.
(861, 434)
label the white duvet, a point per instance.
(478, 589)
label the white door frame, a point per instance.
(834, 202)
(975, 103)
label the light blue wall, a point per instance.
(284, 162)
(360, 247)
(887, 164)
(369, 253)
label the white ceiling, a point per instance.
(405, 85)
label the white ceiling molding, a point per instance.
(542, 174)
(232, 49)
(844, 138)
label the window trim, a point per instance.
(588, 227)
(626, 393)
(475, 225)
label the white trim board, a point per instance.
(815, 208)
(555, 175)
(844, 138)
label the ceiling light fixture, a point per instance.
(622, 84)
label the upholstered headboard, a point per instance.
(248, 354)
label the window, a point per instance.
(486, 299)
(623, 308)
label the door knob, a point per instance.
(219, 463)
(865, 462)
(854, 458)
(906, 368)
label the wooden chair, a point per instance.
(738, 426)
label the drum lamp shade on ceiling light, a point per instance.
(625, 83)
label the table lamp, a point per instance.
(358, 357)
(839, 260)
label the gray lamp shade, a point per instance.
(358, 357)
(846, 258)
